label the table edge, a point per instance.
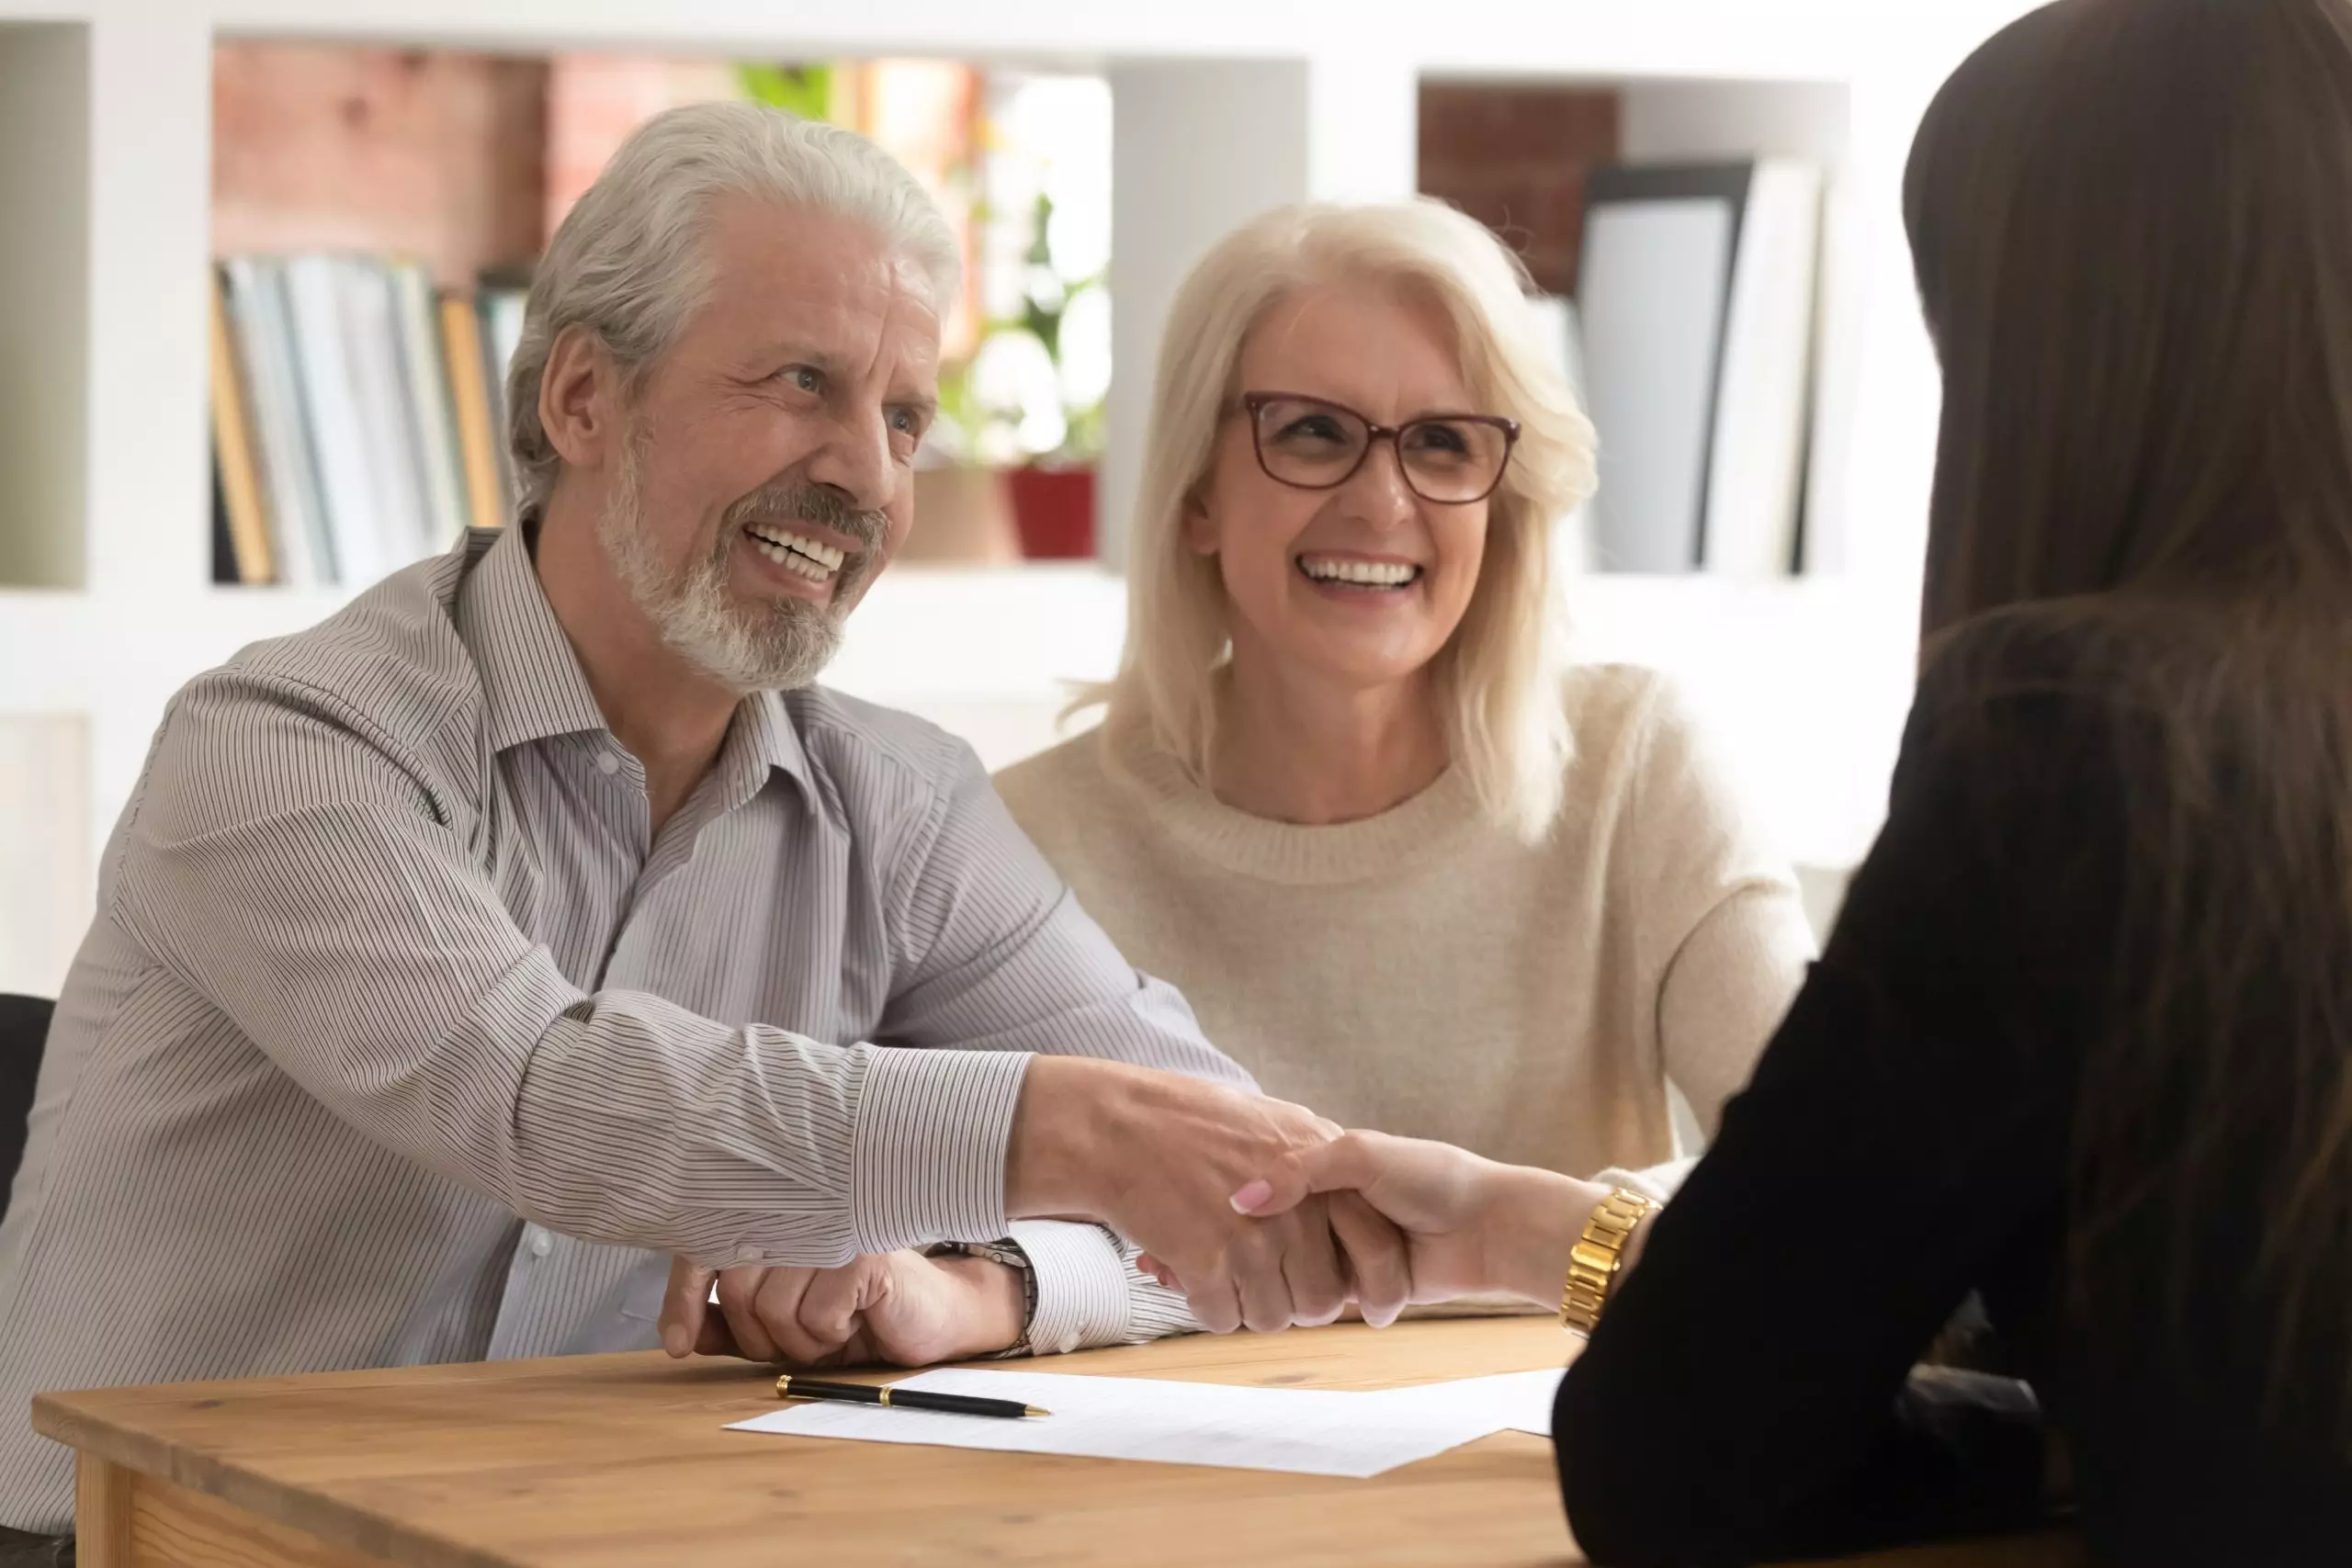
(334, 1522)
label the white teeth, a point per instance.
(810, 558)
(1369, 574)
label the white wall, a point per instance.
(995, 656)
(44, 804)
(44, 272)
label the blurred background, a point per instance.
(262, 261)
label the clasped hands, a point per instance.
(1263, 1214)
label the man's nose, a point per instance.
(855, 460)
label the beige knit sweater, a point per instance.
(1423, 972)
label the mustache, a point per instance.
(820, 504)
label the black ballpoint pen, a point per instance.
(791, 1387)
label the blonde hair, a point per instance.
(1497, 676)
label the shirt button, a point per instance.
(607, 764)
(541, 1243)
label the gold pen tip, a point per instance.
(1032, 1410)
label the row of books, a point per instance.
(358, 415)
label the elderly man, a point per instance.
(534, 918)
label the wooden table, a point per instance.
(614, 1459)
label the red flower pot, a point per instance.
(1053, 510)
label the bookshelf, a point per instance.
(1221, 106)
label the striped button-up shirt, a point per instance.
(401, 1037)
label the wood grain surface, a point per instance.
(623, 1460)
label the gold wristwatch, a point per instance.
(1593, 1261)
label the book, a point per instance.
(369, 411)
(238, 473)
(1756, 473)
(224, 544)
(332, 417)
(502, 330)
(388, 432)
(258, 319)
(1695, 296)
(426, 387)
(479, 439)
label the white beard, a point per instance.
(755, 647)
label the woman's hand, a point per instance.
(1470, 1224)
(1156, 1157)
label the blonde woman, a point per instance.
(1408, 870)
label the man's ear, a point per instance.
(580, 403)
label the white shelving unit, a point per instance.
(1222, 107)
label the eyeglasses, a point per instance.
(1450, 458)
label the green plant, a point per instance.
(805, 91)
(1045, 305)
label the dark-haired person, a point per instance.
(2082, 1039)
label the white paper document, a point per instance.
(1308, 1431)
(1518, 1402)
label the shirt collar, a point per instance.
(531, 678)
(535, 688)
(763, 739)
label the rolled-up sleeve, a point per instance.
(296, 866)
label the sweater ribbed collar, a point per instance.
(1430, 824)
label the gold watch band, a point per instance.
(1593, 1261)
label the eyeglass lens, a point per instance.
(1318, 445)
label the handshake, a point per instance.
(1263, 1214)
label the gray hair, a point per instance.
(627, 263)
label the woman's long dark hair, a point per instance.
(2131, 221)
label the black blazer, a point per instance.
(1905, 1141)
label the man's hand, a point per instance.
(1470, 1224)
(1159, 1158)
(899, 1308)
